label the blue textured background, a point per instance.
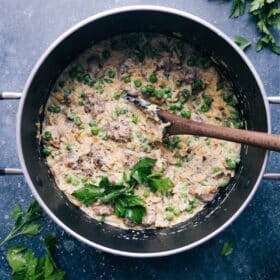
(26, 30)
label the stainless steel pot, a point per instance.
(150, 242)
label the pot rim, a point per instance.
(41, 61)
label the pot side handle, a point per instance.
(10, 171)
(10, 95)
(272, 176)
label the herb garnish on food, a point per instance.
(121, 194)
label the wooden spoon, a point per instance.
(179, 125)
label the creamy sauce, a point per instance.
(90, 131)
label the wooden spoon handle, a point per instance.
(181, 125)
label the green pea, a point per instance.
(159, 94)
(167, 90)
(234, 115)
(47, 151)
(105, 137)
(226, 123)
(100, 89)
(95, 131)
(172, 107)
(185, 93)
(69, 179)
(92, 123)
(68, 147)
(54, 108)
(153, 78)
(186, 114)
(204, 108)
(207, 99)
(83, 94)
(177, 212)
(169, 217)
(230, 164)
(216, 169)
(183, 100)
(81, 126)
(150, 88)
(144, 89)
(178, 83)
(112, 74)
(127, 80)
(238, 124)
(75, 182)
(137, 83)
(170, 208)
(48, 135)
(146, 193)
(84, 180)
(179, 106)
(134, 119)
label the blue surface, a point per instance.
(26, 30)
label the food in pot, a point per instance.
(108, 156)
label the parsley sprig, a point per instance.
(25, 265)
(267, 14)
(25, 222)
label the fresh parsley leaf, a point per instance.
(89, 194)
(238, 8)
(112, 194)
(242, 42)
(51, 270)
(267, 14)
(31, 229)
(142, 169)
(276, 49)
(25, 222)
(227, 248)
(131, 207)
(256, 5)
(25, 265)
(161, 184)
(17, 214)
(273, 17)
(104, 182)
(15, 258)
(135, 214)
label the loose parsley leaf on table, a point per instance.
(242, 42)
(238, 8)
(25, 222)
(25, 265)
(227, 248)
(267, 14)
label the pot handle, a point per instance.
(272, 176)
(10, 95)
(10, 171)
(18, 171)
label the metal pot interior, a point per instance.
(148, 242)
